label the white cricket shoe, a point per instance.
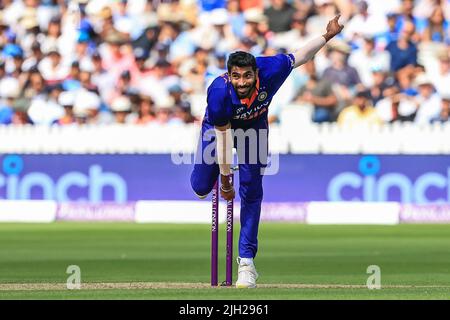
(247, 274)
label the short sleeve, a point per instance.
(279, 65)
(218, 113)
(276, 68)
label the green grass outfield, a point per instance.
(165, 261)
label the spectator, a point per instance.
(106, 27)
(11, 52)
(196, 73)
(395, 106)
(52, 38)
(9, 92)
(44, 111)
(82, 50)
(403, 54)
(403, 51)
(180, 98)
(183, 114)
(217, 68)
(28, 30)
(117, 55)
(444, 114)
(344, 78)
(66, 99)
(279, 15)
(122, 87)
(35, 85)
(407, 15)
(160, 52)
(255, 29)
(361, 113)
(123, 22)
(163, 115)
(366, 58)
(424, 8)
(169, 30)
(147, 40)
(72, 81)
(32, 61)
(364, 24)
(428, 102)
(52, 68)
(391, 34)
(19, 108)
(146, 113)
(340, 72)
(236, 17)
(142, 69)
(326, 10)
(381, 82)
(437, 27)
(20, 117)
(223, 37)
(86, 81)
(441, 79)
(319, 93)
(15, 61)
(100, 77)
(121, 108)
(182, 40)
(87, 109)
(156, 85)
(296, 37)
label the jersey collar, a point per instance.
(247, 101)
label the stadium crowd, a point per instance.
(69, 62)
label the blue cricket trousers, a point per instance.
(205, 174)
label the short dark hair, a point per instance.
(241, 59)
(363, 93)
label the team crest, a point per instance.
(262, 96)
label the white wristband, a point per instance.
(224, 150)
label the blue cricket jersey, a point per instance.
(225, 106)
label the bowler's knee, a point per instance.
(200, 188)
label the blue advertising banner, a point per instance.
(298, 178)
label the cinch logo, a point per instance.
(373, 188)
(17, 187)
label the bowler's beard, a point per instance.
(248, 90)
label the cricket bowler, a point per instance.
(239, 99)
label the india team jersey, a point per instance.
(224, 105)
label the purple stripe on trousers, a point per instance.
(229, 258)
(215, 235)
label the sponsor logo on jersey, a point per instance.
(252, 113)
(291, 60)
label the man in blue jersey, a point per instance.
(237, 102)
